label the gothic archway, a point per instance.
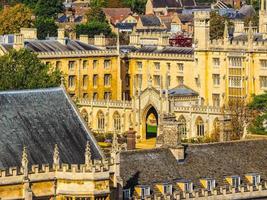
(151, 122)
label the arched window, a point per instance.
(100, 121)
(200, 127)
(116, 121)
(216, 125)
(84, 115)
(182, 126)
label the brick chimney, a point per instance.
(131, 139)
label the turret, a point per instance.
(201, 29)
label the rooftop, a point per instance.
(39, 119)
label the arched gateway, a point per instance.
(151, 123)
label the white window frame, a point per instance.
(126, 194)
(236, 181)
(145, 191)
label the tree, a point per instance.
(94, 28)
(23, 70)
(259, 108)
(96, 14)
(137, 6)
(217, 24)
(45, 27)
(48, 8)
(14, 18)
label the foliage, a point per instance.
(217, 24)
(94, 28)
(51, 8)
(96, 14)
(115, 4)
(14, 18)
(23, 70)
(254, 19)
(45, 27)
(98, 3)
(137, 6)
(259, 108)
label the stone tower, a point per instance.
(263, 18)
(202, 29)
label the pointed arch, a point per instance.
(182, 131)
(85, 115)
(100, 120)
(200, 127)
(216, 125)
(116, 121)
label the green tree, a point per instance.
(137, 6)
(217, 24)
(259, 106)
(94, 28)
(14, 18)
(45, 27)
(48, 8)
(23, 70)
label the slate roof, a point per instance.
(224, 159)
(144, 167)
(55, 46)
(39, 119)
(150, 20)
(182, 90)
(125, 26)
(167, 50)
(173, 3)
(215, 160)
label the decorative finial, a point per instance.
(56, 155)
(62, 81)
(24, 161)
(115, 145)
(87, 154)
(225, 33)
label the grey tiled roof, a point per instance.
(144, 167)
(150, 20)
(167, 50)
(182, 90)
(39, 119)
(55, 46)
(215, 160)
(224, 159)
(173, 3)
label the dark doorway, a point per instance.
(151, 123)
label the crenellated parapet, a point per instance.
(73, 54)
(237, 45)
(105, 103)
(198, 109)
(162, 56)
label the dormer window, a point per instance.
(145, 191)
(235, 181)
(256, 180)
(185, 185)
(208, 183)
(167, 188)
(126, 194)
(253, 179)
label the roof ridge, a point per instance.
(226, 142)
(31, 90)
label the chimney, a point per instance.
(18, 41)
(131, 139)
(178, 152)
(100, 40)
(61, 35)
(84, 39)
(29, 33)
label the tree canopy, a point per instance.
(15, 17)
(45, 27)
(217, 24)
(96, 22)
(23, 70)
(137, 6)
(259, 106)
(45, 8)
